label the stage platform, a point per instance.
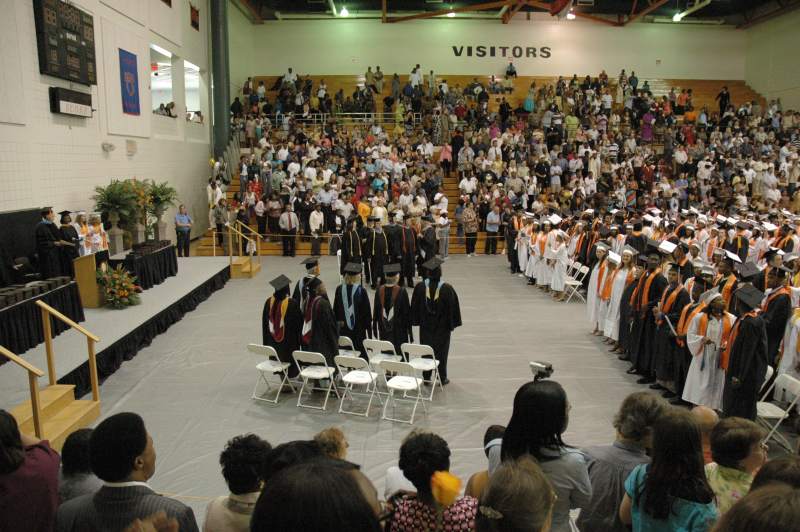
(122, 332)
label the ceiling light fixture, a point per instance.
(571, 15)
(343, 12)
(451, 14)
(677, 17)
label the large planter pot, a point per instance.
(115, 244)
(139, 234)
(161, 225)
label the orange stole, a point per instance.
(727, 290)
(685, 320)
(647, 280)
(600, 275)
(726, 353)
(608, 285)
(668, 301)
(726, 327)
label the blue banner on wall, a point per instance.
(129, 82)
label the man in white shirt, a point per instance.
(441, 202)
(468, 185)
(289, 77)
(288, 223)
(293, 168)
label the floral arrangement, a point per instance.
(140, 188)
(119, 288)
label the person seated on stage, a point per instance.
(425, 461)
(241, 461)
(332, 442)
(477, 482)
(122, 455)
(28, 479)
(519, 497)
(76, 477)
(352, 309)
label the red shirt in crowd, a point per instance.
(29, 495)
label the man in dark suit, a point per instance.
(122, 455)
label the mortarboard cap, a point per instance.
(614, 258)
(769, 227)
(789, 257)
(732, 256)
(555, 219)
(666, 247)
(432, 264)
(391, 269)
(695, 243)
(64, 213)
(721, 219)
(602, 245)
(707, 269)
(749, 295)
(742, 225)
(654, 210)
(648, 218)
(353, 267)
(630, 249)
(280, 282)
(747, 270)
(710, 295)
(310, 262)
(769, 253)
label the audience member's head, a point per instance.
(12, 454)
(421, 455)
(122, 450)
(540, 416)
(636, 416)
(493, 433)
(518, 498)
(772, 508)
(242, 463)
(785, 469)
(332, 443)
(737, 443)
(76, 454)
(318, 495)
(289, 454)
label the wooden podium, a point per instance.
(86, 277)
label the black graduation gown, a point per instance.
(775, 317)
(292, 327)
(436, 319)
(366, 252)
(747, 364)
(363, 315)
(297, 294)
(351, 248)
(427, 245)
(637, 241)
(738, 246)
(377, 245)
(624, 333)
(324, 330)
(664, 346)
(397, 329)
(408, 248)
(67, 233)
(394, 238)
(46, 250)
(644, 325)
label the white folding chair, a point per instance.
(401, 377)
(378, 351)
(272, 365)
(312, 366)
(355, 371)
(786, 390)
(422, 359)
(347, 347)
(574, 284)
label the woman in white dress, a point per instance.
(559, 257)
(613, 266)
(707, 332)
(531, 267)
(790, 358)
(522, 243)
(595, 286)
(622, 276)
(543, 273)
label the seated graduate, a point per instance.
(352, 309)
(282, 322)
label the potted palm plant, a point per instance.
(162, 197)
(118, 202)
(138, 223)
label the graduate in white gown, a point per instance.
(707, 332)
(790, 357)
(595, 285)
(559, 259)
(621, 278)
(522, 243)
(613, 265)
(544, 272)
(534, 256)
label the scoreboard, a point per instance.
(65, 37)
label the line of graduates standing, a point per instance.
(306, 320)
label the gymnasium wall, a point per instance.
(771, 64)
(240, 48)
(53, 159)
(541, 46)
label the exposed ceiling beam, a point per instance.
(633, 8)
(442, 12)
(332, 7)
(646, 11)
(513, 11)
(252, 11)
(587, 16)
(752, 21)
(383, 11)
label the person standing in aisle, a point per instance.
(352, 309)
(391, 315)
(288, 223)
(183, 230)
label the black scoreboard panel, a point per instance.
(65, 36)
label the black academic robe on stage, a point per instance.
(68, 233)
(740, 245)
(377, 246)
(351, 248)
(747, 368)
(391, 316)
(437, 317)
(427, 245)
(775, 315)
(46, 250)
(408, 254)
(644, 323)
(665, 349)
(394, 240)
(624, 332)
(292, 327)
(362, 319)
(323, 336)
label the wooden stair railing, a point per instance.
(33, 374)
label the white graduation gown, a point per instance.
(532, 267)
(545, 272)
(592, 301)
(523, 238)
(559, 278)
(611, 324)
(790, 356)
(706, 380)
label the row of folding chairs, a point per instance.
(359, 377)
(785, 390)
(576, 273)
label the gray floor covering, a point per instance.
(193, 384)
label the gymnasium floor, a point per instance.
(193, 384)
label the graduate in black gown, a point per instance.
(351, 244)
(408, 253)
(635, 238)
(673, 301)
(777, 308)
(366, 258)
(744, 358)
(312, 272)
(646, 297)
(435, 308)
(394, 237)
(391, 314)
(282, 322)
(352, 309)
(427, 241)
(69, 253)
(739, 244)
(623, 347)
(377, 247)
(48, 245)
(683, 357)
(320, 332)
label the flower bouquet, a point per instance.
(118, 287)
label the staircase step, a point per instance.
(74, 416)
(52, 399)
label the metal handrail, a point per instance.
(33, 374)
